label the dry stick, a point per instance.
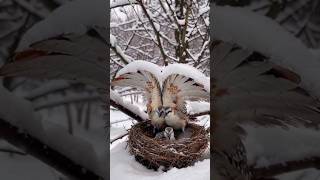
(119, 137)
(277, 169)
(164, 56)
(44, 153)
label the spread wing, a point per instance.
(78, 57)
(250, 89)
(142, 80)
(178, 88)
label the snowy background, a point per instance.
(156, 32)
(69, 110)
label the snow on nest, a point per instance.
(72, 17)
(124, 166)
(259, 33)
(162, 72)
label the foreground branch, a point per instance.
(41, 151)
(281, 168)
(199, 114)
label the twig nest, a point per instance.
(186, 149)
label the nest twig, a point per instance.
(154, 153)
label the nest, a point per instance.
(179, 153)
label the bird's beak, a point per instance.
(169, 129)
(159, 112)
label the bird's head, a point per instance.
(167, 110)
(160, 112)
(168, 130)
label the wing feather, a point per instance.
(258, 92)
(142, 80)
(178, 88)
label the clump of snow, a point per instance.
(197, 106)
(161, 72)
(259, 33)
(113, 40)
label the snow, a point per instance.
(113, 40)
(259, 33)
(162, 72)
(66, 19)
(123, 166)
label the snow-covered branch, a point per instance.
(128, 109)
(121, 3)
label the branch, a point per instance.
(67, 100)
(12, 151)
(119, 137)
(121, 3)
(31, 9)
(164, 56)
(199, 114)
(126, 111)
(289, 166)
(44, 153)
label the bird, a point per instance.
(166, 104)
(169, 134)
(149, 83)
(176, 90)
(249, 89)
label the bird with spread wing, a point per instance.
(166, 102)
(249, 89)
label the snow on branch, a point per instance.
(121, 3)
(67, 100)
(128, 109)
(117, 49)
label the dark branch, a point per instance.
(119, 137)
(44, 153)
(277, 169)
